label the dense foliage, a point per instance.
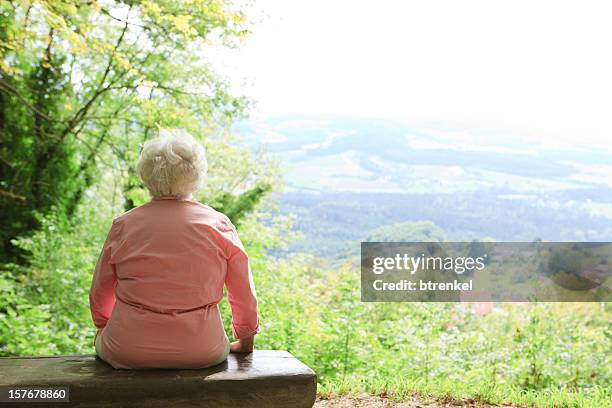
(316, 313)
(83, 85)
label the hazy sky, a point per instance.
(536, 68)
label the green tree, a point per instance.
(417, 231)
(82, 85)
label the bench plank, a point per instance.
(264, 378)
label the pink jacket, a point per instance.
(158, 281)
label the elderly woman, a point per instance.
(158, 281)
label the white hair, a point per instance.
(173, 164)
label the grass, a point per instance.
(477, 394)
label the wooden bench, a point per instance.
(264, 378)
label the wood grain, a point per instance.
(264, 378)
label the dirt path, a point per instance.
(369, 401)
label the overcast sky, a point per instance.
(540, 69)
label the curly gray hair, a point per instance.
(173, 164)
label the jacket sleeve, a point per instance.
(102, 292)
(241, 293)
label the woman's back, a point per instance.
(165, 264)
(172, 255)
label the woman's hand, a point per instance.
(96, 336)
(244, 345)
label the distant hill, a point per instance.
(347, 177)
(333, 222)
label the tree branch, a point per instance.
(78, 116)
(13, 196)
(9, 90)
